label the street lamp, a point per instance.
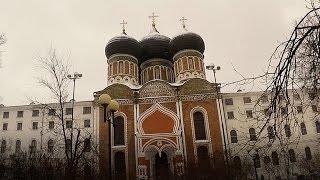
(256, 162)
(73, 77)
(214, 68)
(109, 108)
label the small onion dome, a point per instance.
(187, 40)
(155, 45)
(123, 44)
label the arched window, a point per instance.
(308, 153)
(292, 155)
(157, 72)
(87, 145)
(318, 126)
(33, 147)
(118, 133)
(68, 146)
(50, 146)
(253, 136)
(3, 146)
(237, 162)
(287, 130)
(18, 146)
(120, 165)
(199, 126)
(271, 134)
(303, 128)
(275, 158)
(234, 136)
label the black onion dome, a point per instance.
(155, 45)
(186, 40)
(123, 44)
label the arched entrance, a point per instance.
(161, 166)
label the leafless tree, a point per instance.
(75, 141)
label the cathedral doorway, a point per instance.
(162, 166)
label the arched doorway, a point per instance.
(161, 166)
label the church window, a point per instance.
(199, 126)
(157, 72)
(191, 65)
(150, 74)
(115, 67)
(292, 155)
(164, 73)
(249, 114)
(185, 64)
(253, 136)
(176, 68)
(275, 158)
(118, 131)
(247, 100)
(308, 153)
(180, 65)
(120, 67)
(126, 67)
(110, 70)
(197, 63)
(131, 72)
(120, 165)
(234, 136)
(303, 128)
(228, 101)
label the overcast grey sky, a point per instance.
(242, 33)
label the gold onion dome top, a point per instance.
(155, 45)
(123, 44)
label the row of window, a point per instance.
(69, 123)
(188, 63)
(51, 112)
(50, 146)
(274, 158)
(122, 67)
(271, 134)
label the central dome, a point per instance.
(155, 45)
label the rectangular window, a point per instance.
(20, 114)
(249, 114)
(34, 125)
(19, 126)
(52, 112)
(5, 115)
(247, 100)
(230, 115)
(69, 111)
(87, 123)
(314, 108)
(228, 101)
(5, 126)
(51, 125)
(299, 109)
(86, 110)
(69, 124)
(35, 113)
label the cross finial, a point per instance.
(183, 19)
(153, 19)
(124, 26)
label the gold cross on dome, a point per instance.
(123, 26)
(153, 19)
(183, 20)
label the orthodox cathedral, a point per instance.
(168, 118)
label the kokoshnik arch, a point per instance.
(168, 117)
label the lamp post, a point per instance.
(214, 68)
(255, 158)
(73, 77)
(109, 108)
